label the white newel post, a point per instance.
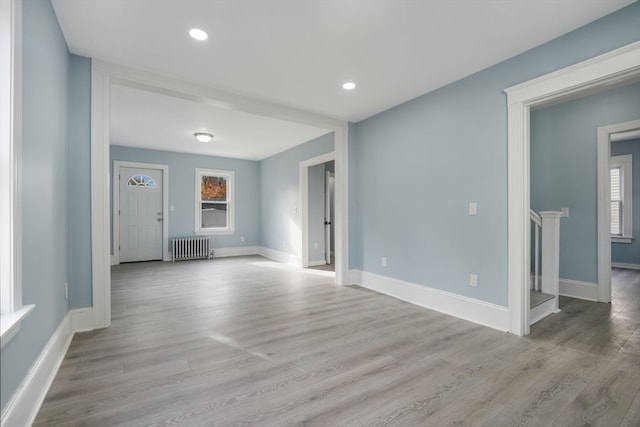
(551, 254)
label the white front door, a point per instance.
(140, 214)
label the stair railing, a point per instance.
(537, 221)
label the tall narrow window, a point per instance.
(214, 201)
(621, 195)
(616, 202)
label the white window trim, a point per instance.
(625, 163)
(229, 229)
(11, 309)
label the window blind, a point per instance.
(616, 202)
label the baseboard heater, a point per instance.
(191, 248)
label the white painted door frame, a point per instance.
(303, 185)
(604, 198)
(328, 223)
(611, 68)
(103, 76)
(117, 164)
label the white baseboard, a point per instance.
(354, 277)
(541, 311)
(577, 289)
(23, 407)
(282, 257)
(237, 251)
(317, 263)
(481, 312)
(82, 319)
(625, 265)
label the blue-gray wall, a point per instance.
(418, 165)
(563, 170)
(629, 253)
(45, 191)
(279, 194)
(420, 162)
(182, 168)
(316, 212)
(80, 292)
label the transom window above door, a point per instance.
(214, 201)
(141, 181)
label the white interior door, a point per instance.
(328, 190)
(140, 214)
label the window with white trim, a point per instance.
(214, 201)
(621, 197)
(7, 164)
(11, 309)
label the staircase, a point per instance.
(544, 295)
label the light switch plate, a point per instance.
(473, 208)
(473, 280)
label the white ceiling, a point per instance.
(297, 53)
(150, 120)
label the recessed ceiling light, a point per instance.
(198, 34)
(349, 86)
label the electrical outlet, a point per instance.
(565, 212)
(383, 261)
(242, 238)
(315, 245)
(473, 280)
(66, 291)
(473, 208)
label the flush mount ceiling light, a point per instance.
(349, 86)
(203, 137)
(198, 34)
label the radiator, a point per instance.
(191, 248)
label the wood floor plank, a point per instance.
(248, 341)
(632, 417)
(606, 398)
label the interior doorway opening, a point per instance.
(317, 213)
(617, 67)
(321, 216)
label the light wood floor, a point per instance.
(247, 341)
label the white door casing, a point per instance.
(609, 69)
(141, 214)
(303, 186)
(604, 197)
